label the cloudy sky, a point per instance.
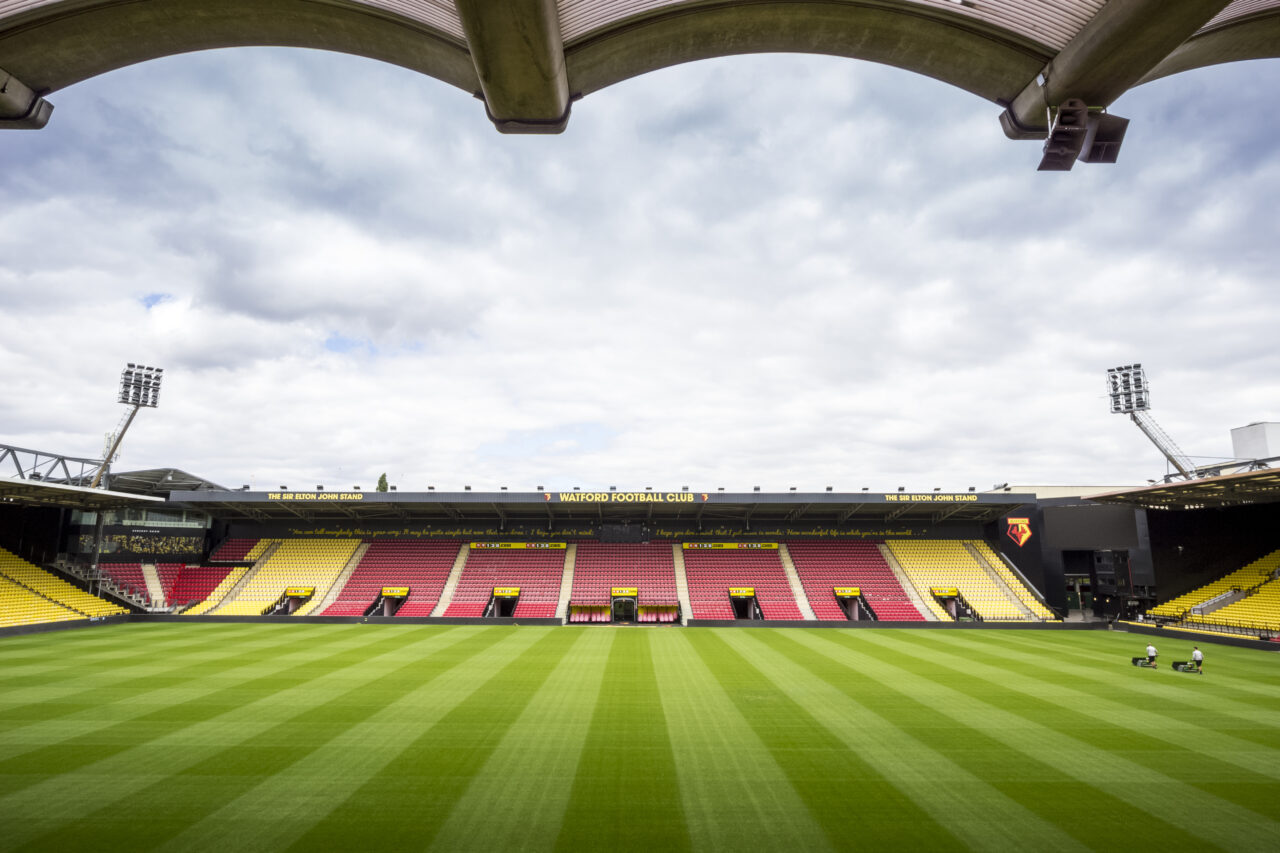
(771, 270)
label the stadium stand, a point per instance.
(22, 606)
(312, 563)
(538, 573)
(1015, 584)
(825, 565)
(422, 566)
(710, 574)
(187, 584)
(602, 566)
(128, 577)
(1248, 577)
(930, 563)
(238, 550)
(1249, 601)
(55, 589)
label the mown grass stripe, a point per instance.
(187, 735)
(517, 800)
(1018, 781)
(852, 797)
(1110, 669)
(167, 807)
(107, 686)
(933, 790)
(1148, 714)
(99, 725)
(1214, 821)
(735, 795)
(403, 802)
(75, 670)
(626, 792)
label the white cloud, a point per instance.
(764, 271)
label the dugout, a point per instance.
(743, 601)
(502, 603)
(389, 600)
(290, 600)
(854, 604)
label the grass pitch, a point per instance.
(359, 737)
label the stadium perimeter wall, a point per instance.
(1185, 636)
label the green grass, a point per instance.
(359, 737)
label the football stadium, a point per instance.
(193, 665)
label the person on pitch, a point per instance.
(1151, 655)
(1197, 658)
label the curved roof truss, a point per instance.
(1054, 65)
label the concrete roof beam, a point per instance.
(20, 107)
(1119, 46)
(519, 57)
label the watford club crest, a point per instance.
(1019, 530)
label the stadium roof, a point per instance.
(161, 481)
(1246, 487)
(21, 492)
(530, 59)
(754, 508)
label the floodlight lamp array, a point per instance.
(1128, 389)
(140, 385)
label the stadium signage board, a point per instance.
(944, 591)
(627, 497)
(932, 497)
(395, 591)
(847, 591)
(742, 592)
(315, 496)
(506, 591)
(625, 591)
(730, 546)
(515, 546)
(300, 591)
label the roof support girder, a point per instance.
(519, 58)
(20, 107)
(1121, 45)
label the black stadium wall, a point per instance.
(1192, 547)
(32, 532)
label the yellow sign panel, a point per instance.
(521, 546)
(730, 546)
(506, 591)
(395, 591)
(625, 591)
(848, 591)
(624, 497)
(300, 591)
(945, 591)
(742, 591)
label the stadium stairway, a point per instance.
(236, 578)
(797, 588)
(451, 585)
(928, 607)
(999, 581)
(682, 583)
(1013, 581)
(566, 582)
(319, 604)
(155, 589)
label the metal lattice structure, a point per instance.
(1131, 395)
(1054, 66)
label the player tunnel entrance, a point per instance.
(502, 604)
(854, 604)
(953, 602)
(290, 600)
(744, 603)
(391, 599)
(623, 603)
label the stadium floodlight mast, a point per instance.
(1131, 395)
(139, 387)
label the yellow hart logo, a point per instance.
(1019, 530)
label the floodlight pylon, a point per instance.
(139, 387)
(1131, 395)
